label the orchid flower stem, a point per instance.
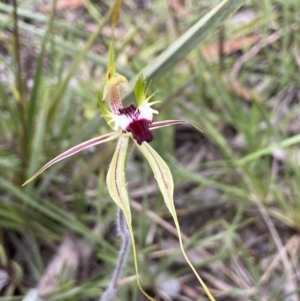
(124, 233)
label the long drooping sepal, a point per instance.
(115, 178)
(165, 183)
(116, 184)
(76, 149)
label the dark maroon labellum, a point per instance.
(138, 127)
(130, 111)
(140, 130)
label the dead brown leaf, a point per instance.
(65, 4)
(230, 46)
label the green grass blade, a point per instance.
(63, 86)
(269, 149)
(38, 75)
(69, 47)
(190, 39)
(54, 212)
(39, 135)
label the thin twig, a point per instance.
(292, 287)
(216, 266)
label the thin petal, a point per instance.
(165, 183)
(160, 124)
(74, 150)
(116, 184)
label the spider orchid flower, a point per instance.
(132, 122)
(135, 123)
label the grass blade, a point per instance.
(38, 74)
(268, 150)
(190, 39)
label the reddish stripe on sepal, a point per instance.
(160, 124)
(74, 150)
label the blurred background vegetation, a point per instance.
(237, 185)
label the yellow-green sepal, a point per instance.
(117, 188)
(111, 68)
(116, 182)
(105, 113)
(140, 91)
(115, 88)
(165, 183)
